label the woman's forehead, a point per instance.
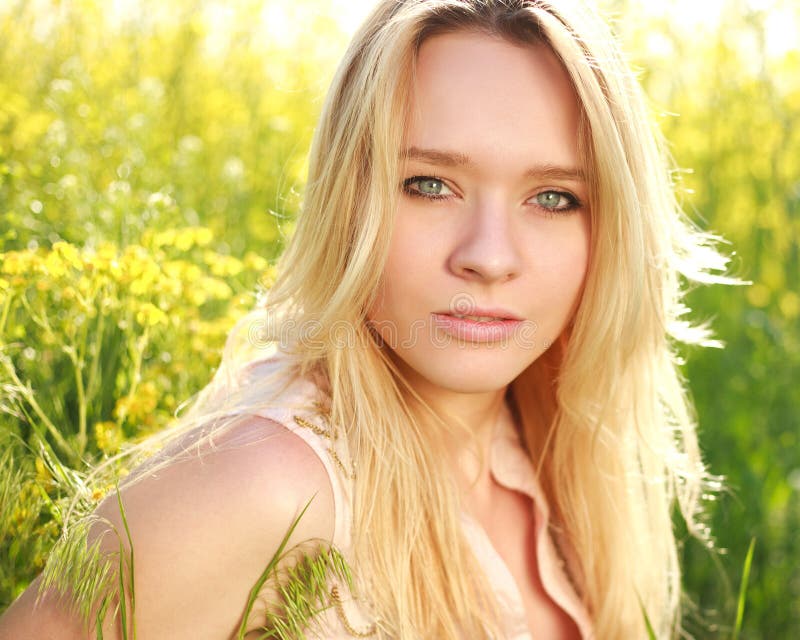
(481, 97)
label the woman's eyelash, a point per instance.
(408, 182)
(572, 201)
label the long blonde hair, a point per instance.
(603, 413)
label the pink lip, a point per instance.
(468, 330)
(500, 314)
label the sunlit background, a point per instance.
(152, 157)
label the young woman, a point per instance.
(464, 379)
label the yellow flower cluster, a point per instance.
(151, 280)
(26, 508)
(150, 315)
(181, 239)
(108, 436)
(139, 326)
(139, 406)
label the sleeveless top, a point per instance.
(303, 410)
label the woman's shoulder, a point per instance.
(207, 518)
(274, 389)
(204, 527)
(272, 446)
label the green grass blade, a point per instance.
(748, 560)
(651, 633)
(266, 573)
(123, 606)
(131, 585)
(130, 591)
(101, 616)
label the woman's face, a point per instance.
(492, 222)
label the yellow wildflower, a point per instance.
(144, 277)
(203, 236)
(182, 269)
(70, 254)
(216, 288)
(107, 251)
(85, 287)
(197, 296)
(102, 258)
(17, 263)
(164, 238)
(108, 436)
(168, 286)
(222, 265)
(136, 260)
(150, 315)
(191, 272)
(185, 239)
(255, 262)
(54, 265)
(139, 287)
(148, 396)
(173, 268)
(140, 406)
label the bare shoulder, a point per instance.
(252, 473)
(205, 525)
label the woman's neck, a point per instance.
(478, 413)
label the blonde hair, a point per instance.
(604, 413)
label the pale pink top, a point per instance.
(302, 410)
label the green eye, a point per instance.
(426, 186)
(556, 200)
(431, 186)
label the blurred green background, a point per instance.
(152, 158)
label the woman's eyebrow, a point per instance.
(434, 156)
(455, 159)
(556, 172)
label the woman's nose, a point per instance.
(487, 250)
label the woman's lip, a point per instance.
(500, 314)
(467, 330)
